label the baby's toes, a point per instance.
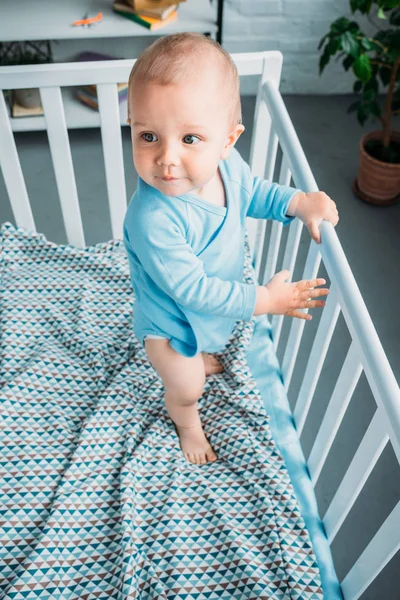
(210, 455)
(191, 457)
(200, 459)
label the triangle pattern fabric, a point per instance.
(97, 500)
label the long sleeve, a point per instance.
(267, 200)
(158, 241)
(270, 200)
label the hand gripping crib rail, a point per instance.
(272, 124)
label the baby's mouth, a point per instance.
(169, 178)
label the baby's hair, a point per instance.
(172, 58)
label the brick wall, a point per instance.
(294, 27)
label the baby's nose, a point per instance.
(169, 155)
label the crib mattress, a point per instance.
(97, 500)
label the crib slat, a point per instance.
(289, 259)
(256, 227)
(277, 228)
(316, 359)
(273, 251)
(262, 223)
(12, 172)
(375, 557)
(337, 406)
(360, 468)
(62, 160)
(258, 155)
(296, 329)
(107, 94)
(262, 144)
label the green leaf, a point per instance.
(334, 45)
(375, 109)
(340, 26)
(350, 44)
(362, 67)
(394, 18)
(353, 5)
(322, 41)
(357, 87)
(381, 14)
(368, 44)
(348, 61)
(396, 104)
(363, 6)
(324, 60)
(389, 4)
(389, 38)
(372, 84)
(363, 113)
(393, 38)
(369, 95)
(384, 75)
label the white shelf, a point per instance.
(49, 20)
(23, 20)
(77, 115)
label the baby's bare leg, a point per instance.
(183, 379)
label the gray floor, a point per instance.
(371, 241)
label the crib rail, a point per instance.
(365, 354)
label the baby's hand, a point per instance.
(312, 208)
(280, 298)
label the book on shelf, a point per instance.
(89, 55)
(87, 94)
(151, 23)
(91, 100)
(141, 5)
(17, 110)
(158, 12)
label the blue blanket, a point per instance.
(96, 498)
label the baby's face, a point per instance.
(179, 131)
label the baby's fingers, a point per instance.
(311, 303)
(299, 314)
(313, 293)
(307, 284)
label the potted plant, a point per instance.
(373, 60)
(25, 53)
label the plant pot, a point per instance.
(377, 182)
(30, 97)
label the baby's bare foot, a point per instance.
(211, 364)
(195, 446)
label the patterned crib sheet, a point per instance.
(96, 498)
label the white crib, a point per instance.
(272, 129)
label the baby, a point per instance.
(185, 224)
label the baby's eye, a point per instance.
(147, 136)
(191, 136)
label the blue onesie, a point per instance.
(186, 257)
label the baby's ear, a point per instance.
(128, 120)
(231, 140)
